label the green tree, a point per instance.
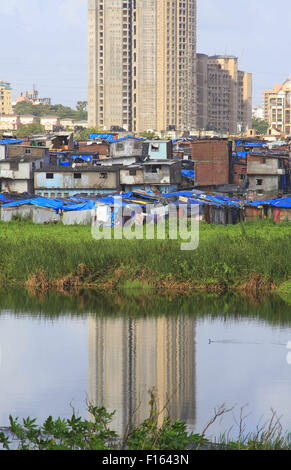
(59, 110)
(30, 129)
(260, 126)
(84, 134)
(149, 135)
(81, 105)
(25, 107)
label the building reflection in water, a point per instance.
(127, 358)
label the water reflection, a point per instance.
(129, 357)
(116, 348)
(271, 310)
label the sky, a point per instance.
(44, 42)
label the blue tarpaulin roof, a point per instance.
(283, 203)
(117, 201)
(4, 198)
(191, 200)
(188, 174)
(192, 193)
(108, 137)
(194, 197)
(241, 154)
(55, 204)
(128, 137)
(11, 141)
(221, 200)
(85, 158)
(250, 144)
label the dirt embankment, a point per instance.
(255, 286)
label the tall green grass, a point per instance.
(228, 254)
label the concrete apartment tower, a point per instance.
(142, 64)
(224, 95)
(5, 99)
(277, 107)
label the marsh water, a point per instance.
(57, 353)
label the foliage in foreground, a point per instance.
(95, 434)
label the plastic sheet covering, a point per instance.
(111, 200)
(184, 193)
(283, 203)
(85, 158)
(11, 141)
(3, 198)
(188, 174)
(55, 204)
(108, 137)
(241, 154)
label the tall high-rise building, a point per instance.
(5, 98)
(142, 64)
(277, 107)
(224, 95)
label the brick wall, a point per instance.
(238, 170)
(212, 158)
(21, 151)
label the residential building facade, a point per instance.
(142, 64)
(56, 181)
(224, 95)
(277, 107)
(9, 122)
(5, 98)
(16, 174)
(268, 175)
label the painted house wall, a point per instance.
(66, 180)
(19, 180)
(2, 152)
(166, 174)
(120, 161)
(269, 183)
(127, 148)
(160, 150)
(24, 170)
(77, 217)
(64, 193)
(16, 186)
(128, 179)
(263, 166)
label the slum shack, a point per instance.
(43, 211)
(280, 209)
(113, 211)
(277, 210)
